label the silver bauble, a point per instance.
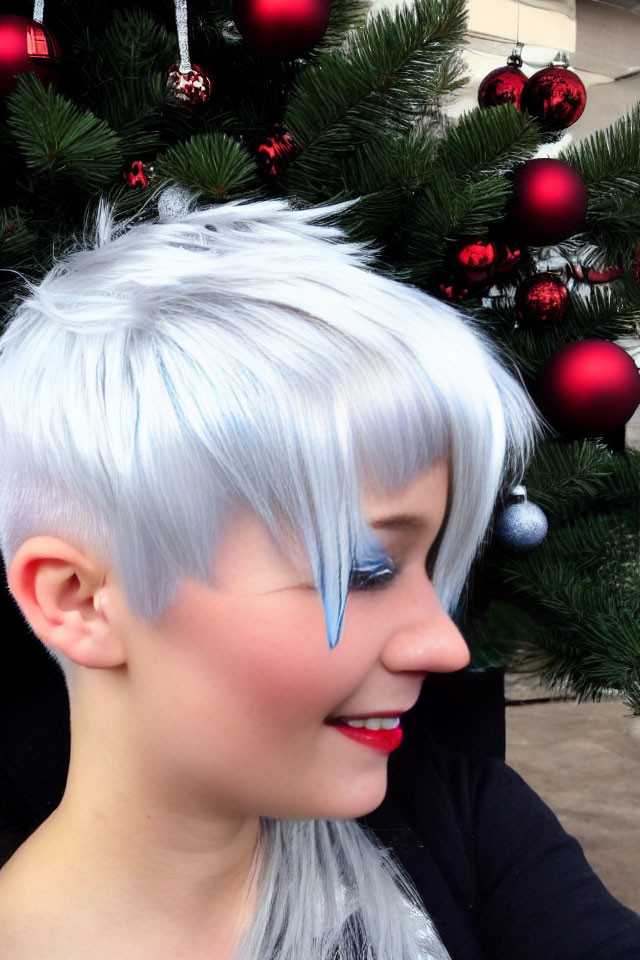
(523, 525)
(173, 203)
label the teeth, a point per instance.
(376, 723)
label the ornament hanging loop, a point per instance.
(515, 59)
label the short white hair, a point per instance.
(248, 357)
(244, 356)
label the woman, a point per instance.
(209, 429)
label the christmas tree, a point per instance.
(330, 101)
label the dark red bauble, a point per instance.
(556, 96)
(191, 87)
(603, 276)
(549, 202)
(475, 262)
(503, 85)
(277, 152)
(282, 28)
(591, 275)
(542, 300)
(509, 256)
(27, 45)
(588, 388)
(450, 290)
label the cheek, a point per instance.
(258, 659)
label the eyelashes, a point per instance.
(362, 580)
(366, 580)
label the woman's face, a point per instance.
(232, 687)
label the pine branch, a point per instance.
(393, 67)
(607, 314)
(18, 244)
(609, 163)
(57, 138)
(609, 159)
(444, 210)
(491, 141)
(467, 189)
(213, 163)
(346, 16)
(565, 479)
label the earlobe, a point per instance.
(59, 590)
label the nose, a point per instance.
(426, 640)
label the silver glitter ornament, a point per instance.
(523, 525)
(173, 203)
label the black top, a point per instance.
(499, 876)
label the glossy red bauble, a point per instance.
(556, 96)
(503, 85)
(277, 152)
(549, 202)
(475, 261)
(589, 388)
(541, 300)
(27, 45)
(282, 28)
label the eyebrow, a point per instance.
(402, 521)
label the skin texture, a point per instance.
(184, 733)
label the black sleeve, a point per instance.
(538, 898)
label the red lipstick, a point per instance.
(384, 740)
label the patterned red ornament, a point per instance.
(139, 175)
(475, 262)
(556, 96)
(277, 152)
(549, 201)
(588, 388)
(503, 85)
(542, 300)
(282, 28)
(192, 87)
(27, 45)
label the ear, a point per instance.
(59, 589)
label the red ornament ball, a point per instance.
(27, 45)
(589, 388)
(475, 262)
(192, 87)
(603, 276)
(450, 290)
(542, 300)
(139, 175)
(549, 201)
(282, 28)
(503, 85)
(277, 152)
(556, 96)
(509, 256)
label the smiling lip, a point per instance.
(383, 740)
